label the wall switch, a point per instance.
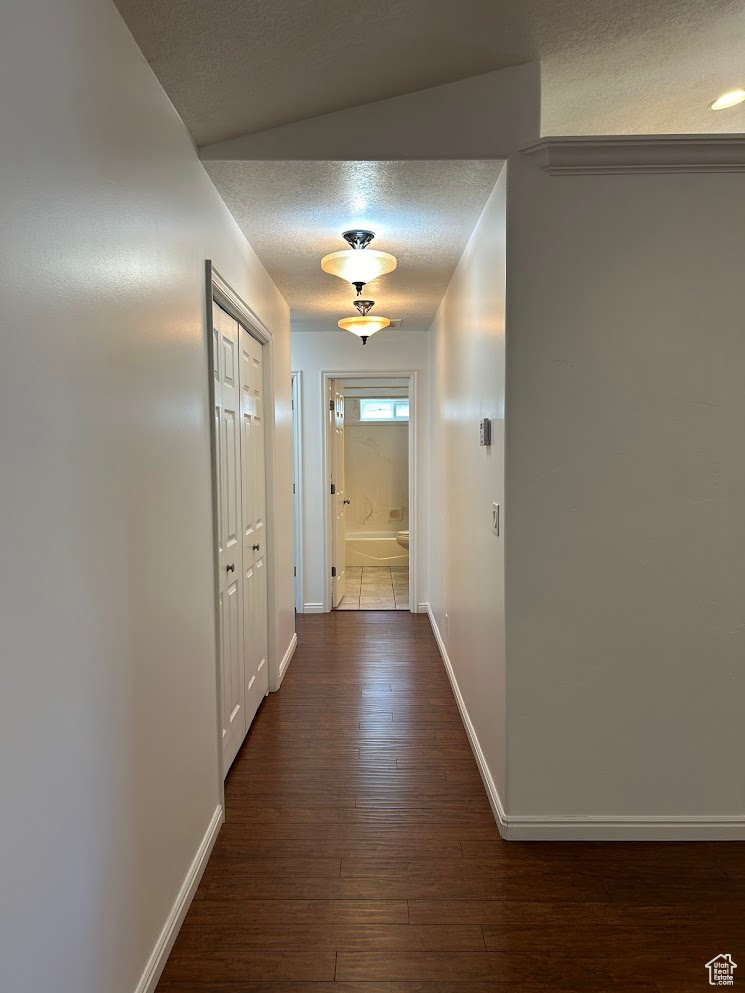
(485, 433)
(495, 521)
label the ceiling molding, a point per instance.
(616, 154)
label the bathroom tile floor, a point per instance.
(376, 588)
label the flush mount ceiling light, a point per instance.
(358, 264)
(730, 99)
(364, 325)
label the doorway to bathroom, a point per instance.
(370, 469)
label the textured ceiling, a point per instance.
(238, 66)
(233, 67)
(293, 213)
(641, 67)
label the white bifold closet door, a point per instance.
(253, 487)
(241, 512)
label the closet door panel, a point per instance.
(230, 546)
(254, 522)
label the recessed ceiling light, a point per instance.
(728, 100)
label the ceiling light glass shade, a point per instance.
(363, 327)
(730, 99)
(358, 265)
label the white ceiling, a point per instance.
(640, 67)
(293, 214)
(235, 67)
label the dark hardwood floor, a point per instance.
(360, 855)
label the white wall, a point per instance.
(336, 351)
(467, 381)
(107, 682)
(626, 494)
(446, 121)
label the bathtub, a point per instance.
(380, 548)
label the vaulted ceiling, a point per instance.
(234, 67)
(243, 67)
(237, 66)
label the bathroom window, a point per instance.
(384, 410)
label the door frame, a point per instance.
(414, 415)
(297, 458)
(219, 290)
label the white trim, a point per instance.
(412, 376)
(377, 392)
(159, 956)
(423, 608)
(486, 776)
(209, 332)
(284, 664)
(297, 457)
(651, 153)
(414, 543)
(586, 827)
(325, 477)
(236, 306)
(594, 827)
(403, 422)
(313, 608)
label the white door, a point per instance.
(338, 498)
(230, 545)
(254, 523)
(296, 485)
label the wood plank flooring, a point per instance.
(360, 855)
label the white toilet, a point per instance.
(403, 539)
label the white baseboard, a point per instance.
(422, 608)
(287, 659)
(488, 780)
(164, 944)
(618, 828)
(313, 608)
(589, 827)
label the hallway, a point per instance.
(360, 854)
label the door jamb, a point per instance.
(219, 290)
(297, 456)
(414, 413)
